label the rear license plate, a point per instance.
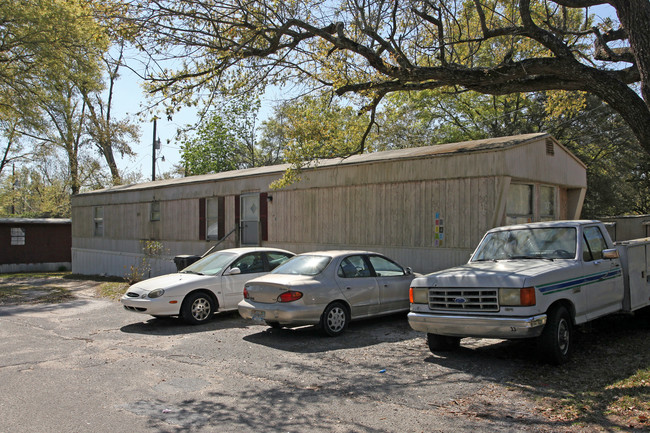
(258, 316)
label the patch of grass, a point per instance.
(112, 290)
(54, 295)
(94, 278)
(10, 294)
(18, 294)
(35, 275)
(607, 382)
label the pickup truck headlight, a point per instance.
(517, 297)
(419, 295)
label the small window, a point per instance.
(212, 218)
(17, 236)
(520, 204)
(155, 211)
(250, 263)
(546, 203)
(98, 221)
(354, 267)
(385, 268)
(275, 259)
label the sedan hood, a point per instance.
(169, 281)
(503, 273)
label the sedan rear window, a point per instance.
(303, 265)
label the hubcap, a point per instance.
(336, 319)
(201, 309)
(563, 336)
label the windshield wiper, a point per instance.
(191, 272)
(530, 257)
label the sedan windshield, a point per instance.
(537, 243)
(210, 265)
(303, 265)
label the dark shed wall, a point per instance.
(44, 243)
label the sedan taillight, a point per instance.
(289, 296)
(245, 293)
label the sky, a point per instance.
(129, 99)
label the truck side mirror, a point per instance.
(610, 254)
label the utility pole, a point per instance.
(153, 153)
(13, 188)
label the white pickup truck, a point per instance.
(534, 280)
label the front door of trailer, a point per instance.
(250, 219)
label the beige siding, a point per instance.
(387, 215)
(385, 202)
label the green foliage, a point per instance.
(226, 140)
(212, 150)
(142, 270)
(312, 128)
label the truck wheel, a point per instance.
(442, 343)
(556, 342)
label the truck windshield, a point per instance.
(528, 243)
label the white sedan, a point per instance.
(327, 288)
(212, 284)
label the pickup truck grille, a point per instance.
(463, 299)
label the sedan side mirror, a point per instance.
(409, 271)
(233, 271)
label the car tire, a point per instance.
(555, 345)
(197, 308)
(442, 343)
(335, 319)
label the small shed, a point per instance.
(35, 244)
(425, 207)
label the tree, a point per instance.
(227, 140)
(376, 48)
(107, 134)
(310, 128)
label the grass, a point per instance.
(20, 294)
(44, 287)
(112, 290)
(605, 385)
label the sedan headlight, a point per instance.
(517, 297)
(157, 293)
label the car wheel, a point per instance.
(442, 343)
(556, 342)
(197, 308)
(335, 319)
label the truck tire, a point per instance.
(556, 342)
(442, 343)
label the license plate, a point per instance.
(258, 316)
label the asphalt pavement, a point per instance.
(89, 366)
